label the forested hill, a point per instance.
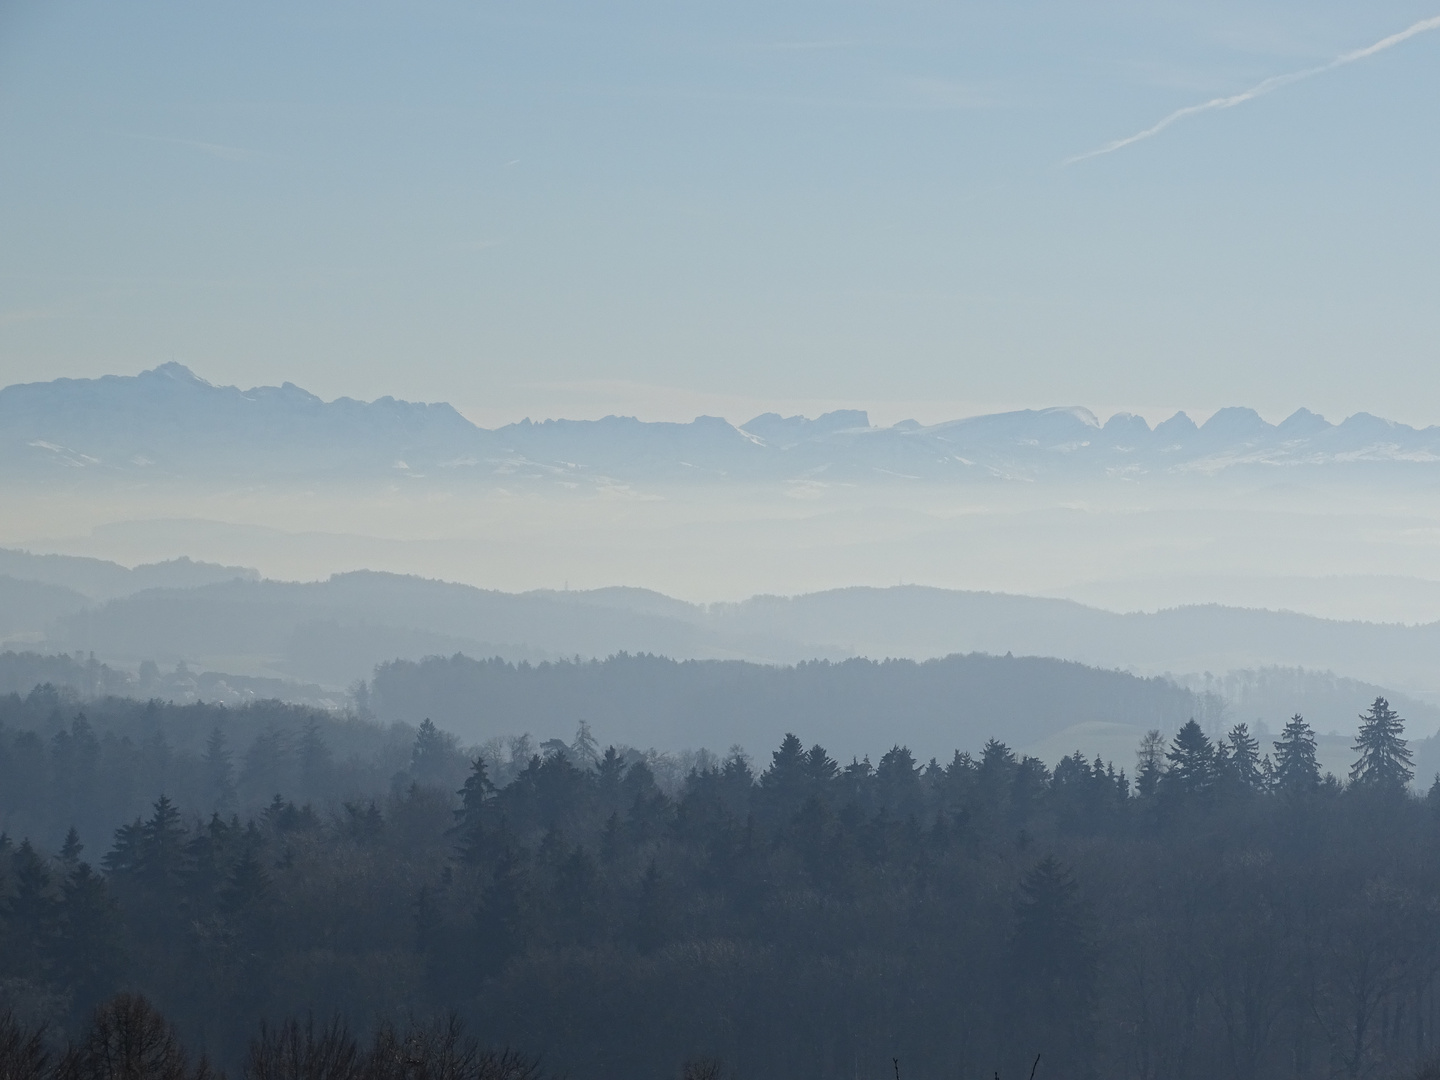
(74, 758)
(1223, 911)
(96, 764)
(335, 631)
(935, 706)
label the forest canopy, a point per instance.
(1218, 908)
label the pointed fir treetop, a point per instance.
(478, 788)
(1244, 758)
(787, 765)
(1192, 761)
(820, 767)
(1050, 921)
(1385, 759)
(432, 752)
(1296, 771)
(996, 756)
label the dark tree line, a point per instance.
(1228, 912)
(127, 1038)
(94, 764)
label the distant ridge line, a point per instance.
(169, 423)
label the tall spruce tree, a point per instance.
(820, 769)
(472, 819)
(1243, 761)
(432, 754)
(1052, 963)
(89, 951)
(72, 847)
(30, 914)
(1192, 762)
(1384, 762)
(784, 783)
(1296, 770)
(162, 846)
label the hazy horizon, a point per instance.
(796, 539)
(1337, 529)
(659, 405)
(669, 213)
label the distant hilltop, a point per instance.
(170, 423)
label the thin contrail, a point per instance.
(1275, 82)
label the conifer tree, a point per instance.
(30, 913)
(787, 764)
(1053, 965)
(124, 856)
(501, 918)
(1384, 762)
(162, 845)
(997, 758)
(1192, 762)
(476, 793)
(820, 768)
(247, 902)
(784, 782)
(575, 896)
(71, 848)
(248, 889)
(1296, 771)
(432, 753)
(89, 954)
(995, 773)
(268, 765)
(609, 773)
(736, 779)
(1243, 762)
(897, 780)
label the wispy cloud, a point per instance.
(1260, 89)
(215, 150)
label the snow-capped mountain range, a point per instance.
(170, 423)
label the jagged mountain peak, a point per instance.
(1236, 422)
(168, 421)
(785, 432)
(173, 370)
(1178, 426)
(1304, 422)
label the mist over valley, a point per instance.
(782, 541)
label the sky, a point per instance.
(567, 209)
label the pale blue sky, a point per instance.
(570, 209)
